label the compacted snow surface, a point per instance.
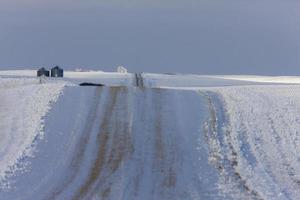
(149, 136)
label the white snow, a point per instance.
(24, 103)
(107, 78)
(263, 131)
(178, 137)
(263, 79)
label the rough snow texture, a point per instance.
(24, 103)
(226, 138)
(254, 139)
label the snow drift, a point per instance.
(24, 103)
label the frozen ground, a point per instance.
(173, 137)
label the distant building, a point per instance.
(43, 72)
(122, 69)
(57, 72)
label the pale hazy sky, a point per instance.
(189, 36)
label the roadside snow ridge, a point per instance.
(23, 105)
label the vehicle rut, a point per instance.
(114, 145)
(222, 153)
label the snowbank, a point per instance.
(24, 103)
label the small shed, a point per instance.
(57, 72)
(121, 69)
(43, 72)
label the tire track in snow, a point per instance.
(134, 143)
(222, 152)
(121, 140)
(81, 147)
(164, 151)
(150, 149)
(114, 145)
(158, 170)
(139, 81)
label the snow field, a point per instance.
(238, 138)
(258, 152)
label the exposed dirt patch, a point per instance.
(106, 193)
(171, 178)
(102, 140)
(159, 150)
(158, 143)
(114, 144)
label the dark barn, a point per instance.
(43, 72)
(57, 72)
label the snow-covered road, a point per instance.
(199, 138)
(121, 143)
